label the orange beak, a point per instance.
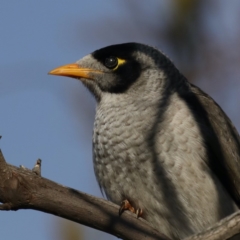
(74, 70)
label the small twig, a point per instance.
(37, 167)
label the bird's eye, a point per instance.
(111, 62)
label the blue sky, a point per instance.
(51, 117)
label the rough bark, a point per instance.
(22, 188)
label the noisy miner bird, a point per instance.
(162, 148)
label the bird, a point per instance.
(162, 148)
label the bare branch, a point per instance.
(226, 228)
(22, 188)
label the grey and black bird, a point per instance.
(161, 146)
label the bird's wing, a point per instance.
(222, 141)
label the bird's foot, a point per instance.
(125, 205)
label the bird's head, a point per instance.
(120, 68)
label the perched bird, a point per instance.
(161, 146)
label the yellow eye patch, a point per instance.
(120, 62)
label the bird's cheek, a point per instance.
(106, 83)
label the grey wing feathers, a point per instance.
(224, 145)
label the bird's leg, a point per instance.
(125, 205)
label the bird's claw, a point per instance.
(139, 212)
(125, 205)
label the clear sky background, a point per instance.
(51, 118)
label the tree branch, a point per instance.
(22, 188)
(225, 229)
